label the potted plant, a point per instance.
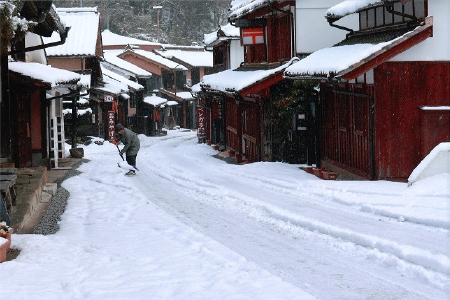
(5, 241)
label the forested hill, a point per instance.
(182, 22)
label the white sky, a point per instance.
(191, 226)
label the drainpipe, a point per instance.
(390, 8)
(63, 37)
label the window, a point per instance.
(132, 100)
(379, 16)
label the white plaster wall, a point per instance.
(236, 54)
(312, 29)
(37, 56)
(437, 47)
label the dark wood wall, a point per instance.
(401, 90)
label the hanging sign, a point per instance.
(253, 36)
(108, 98)
(201, 131)
(111, 121)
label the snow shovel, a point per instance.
(123, 164)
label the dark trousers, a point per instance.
(131, 160)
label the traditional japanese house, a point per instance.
(153, 108)
(198, 63)
(385, 93)
(168, 77)
(32, 123)
(225, 44)
(128, 102)
(81, 53)
(113, 41)
(239, 99)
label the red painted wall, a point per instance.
(401, 88)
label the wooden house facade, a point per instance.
(387, 103)
(83, 58)
(31, 99)
(168, 77)
(238, 99)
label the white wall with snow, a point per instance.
(435, 163)
(236, 54)
(38, 56)
(436, 47)
(312, 29)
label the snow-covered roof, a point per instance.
(44, 73)
(193, 58)
(131, 84)
(160, 60)
(85, 80)
(237, 80)
(154, 100)
(348, 7)
(112, 86)
(185, 95)
(240, 8)
(109, 38)
(83, 33)
(196, 88)
(338, 60)
(171, 103)
(111, 57)
(223, 33)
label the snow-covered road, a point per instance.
(200, 228)
(294, 229)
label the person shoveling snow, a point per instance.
(131, 148)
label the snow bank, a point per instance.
(436, 162)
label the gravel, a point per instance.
(49, 223)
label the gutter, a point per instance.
(63, 37)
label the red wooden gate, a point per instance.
(250, 131)
(232, 124)
(346, 130)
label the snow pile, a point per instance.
(349, 7)
(236, 80)
(44, 73)
(435, 163)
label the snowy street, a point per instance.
(191, 226)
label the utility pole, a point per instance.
(107, 14)
(158, 9)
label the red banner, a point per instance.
(253, 36)
(111, 119)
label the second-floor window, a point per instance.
(380, 16)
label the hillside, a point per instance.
(182, 22)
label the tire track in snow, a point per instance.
(234, 201)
